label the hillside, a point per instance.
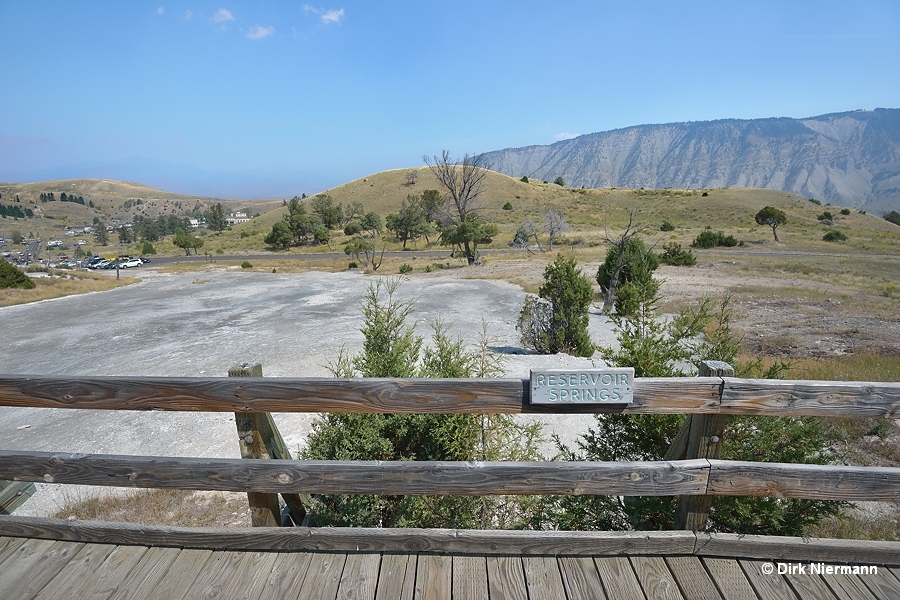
(105, 200)
(851, 159)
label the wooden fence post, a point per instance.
(699, 437)
(258, 437)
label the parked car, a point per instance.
(131, 262)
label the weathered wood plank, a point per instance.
(359, 579)
(181, 573)
(543, 578)
(30, 554)
(323, 576)
(145, 576)
(114, 570)
(848, 587)
(816, 482)
(655, 578)
(728, 576)
(285, 580)
(766, 584)
(69, 582)
(506, 578)
(434, 577)
(693, 580)
(580, 578)
(772, 548)
(8, 547)
(216, 578)
(884, 584)
(336, 539)
(397, 577)
(618, 577)
(30, 577)
(470, 578)
(774, 397)
(313, 394)
(655, 478)
(813, 588)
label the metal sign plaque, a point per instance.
(614, 385)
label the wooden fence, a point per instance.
(694, 471)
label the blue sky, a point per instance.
(313, 95)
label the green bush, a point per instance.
(673, 254)
(405, 269)
(826, 216)
(816, 202)
(710, 239)
(147, 248)
(508, 206)
(666, 226)
(524, 179)
(12, 277)
(353, 265)
(246, 265)
(834, 236)
(845, 211)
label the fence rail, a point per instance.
(694, 470)
(679, 395)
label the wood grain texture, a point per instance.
(142, 580)
(506, 578)
(434, 577)
(314, 394)
(359, 579)
(470, 578)
(728, 577)
(360, 477)
(619, 580)
(815, 482)
(325, 539)
(779, 548)
(655, 578)
(543, 578)
(397, 577)
(693, 581)
(580, 578)
(766, 586)
(810, 398)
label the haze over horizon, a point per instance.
(240, 100)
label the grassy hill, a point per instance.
(589, 212)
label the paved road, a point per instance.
(200, 324)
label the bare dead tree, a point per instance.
(554, 224)
(411, 178)
(526, 232)
(463, 183)
(619, 243)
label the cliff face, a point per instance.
(847, 159)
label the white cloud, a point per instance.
(161, 10)
(223, 15)
(565, 136)
(259, 32)
(326, 16)
(332, 16)
(188, 15)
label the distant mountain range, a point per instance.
(848, 159)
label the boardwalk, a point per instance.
(32, 568)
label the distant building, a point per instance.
(236, 218)
(194, 223)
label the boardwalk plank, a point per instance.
(38, 564)
(885, 584)
(146, 574)
(249, 579)
(359, 581)
(434, 577)
(618, 577)
(71, 580)
(729, 578)
(693, 580)
(174, 582)
(216, 579)
(470, 579)
(106, 579)
(580, 578)
(848, 587)
(655, 577)
(810, 587)
(506, 578)
(285, 580)
(8, 547)
(766, 586)
(543, 578)
(323, 576)
(397, 577)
